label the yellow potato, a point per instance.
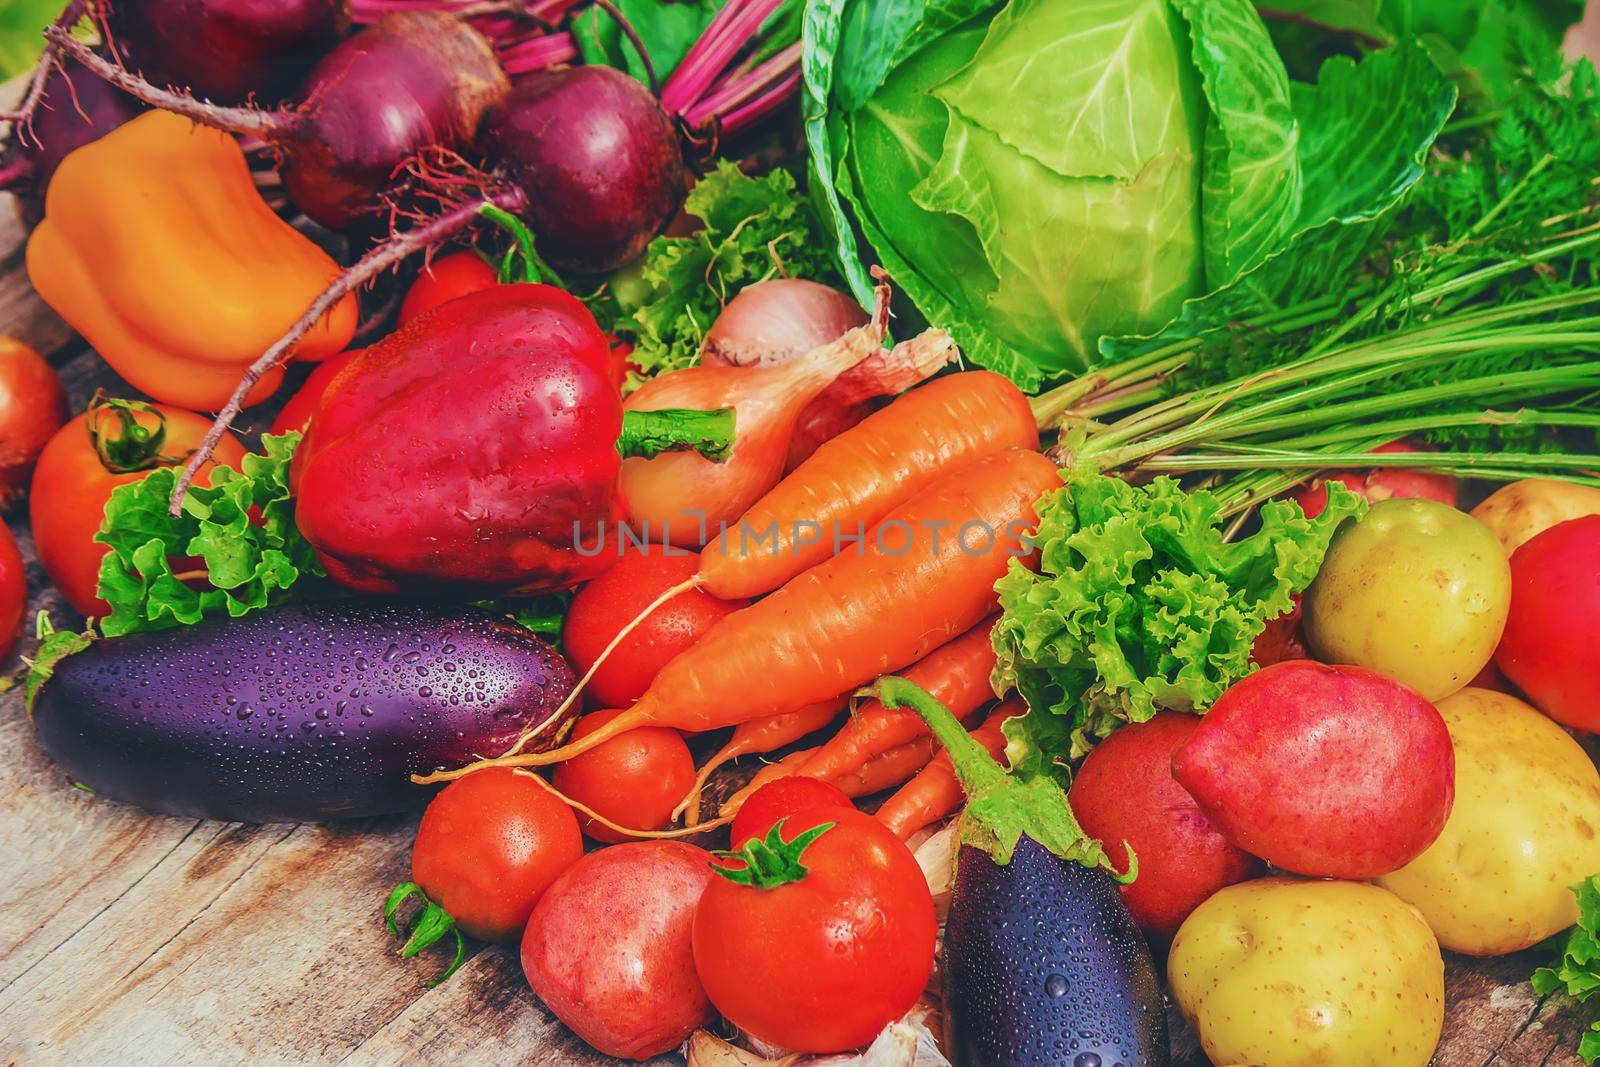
(1524, 509)
(1416, 590)
(1525, 827)
(1292, 973)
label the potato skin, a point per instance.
(1522, 510)
(1415, 590)
(1525, 827)
(1309, 974)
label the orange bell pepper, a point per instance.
(157, 248)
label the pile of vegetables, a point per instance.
(941, 566)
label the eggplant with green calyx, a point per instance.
(297, 713)
(1043, 965)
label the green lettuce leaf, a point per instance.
(247, 562)
(1577, 972)
(1140, 602)
(754, 229)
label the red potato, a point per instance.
(1283, 639)
(604, 606)
(1125, 792)
(1547, 649)
(1382, 483)
(635, 779)
(609, 947)
(1333, 772)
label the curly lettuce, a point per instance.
(1140, 602)
(1577, 972)
(245, 561)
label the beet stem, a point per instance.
(732, 28)
(538, 53)
(779, 71)
(369, 266)
(70, 16)
(16, 172)
(267, 125)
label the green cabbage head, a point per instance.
(1049, 172)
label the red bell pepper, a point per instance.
(473, 450)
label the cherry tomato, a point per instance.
(297, 412)
(444, 279)
(635, 779)
(488, 847)
(824, 961)
(107, 446)
(32, 407)
(1548, 645)
(13, 592)
(1383, 483)
(780, 799)
(604, 606)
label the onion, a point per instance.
(770, 323)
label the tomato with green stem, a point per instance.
(296, 414)
(780, 799)
(817, 936)
(113, 443)
(634, 780)
(488, 847)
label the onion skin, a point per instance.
(597, 159)
(772, 322)
(227, 51)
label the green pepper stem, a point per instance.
(647, 434)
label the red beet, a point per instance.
(597, 159)
(411, 82)
(227, 50)
(1333, 772)
(1125, 792)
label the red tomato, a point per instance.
(75, 478)
(13, 592)
(1125, 792)
(444, 279)
(781, 799)
(32, 407)
(1384, 483)
(488, 847)
(635, 779)
(297, 412)
(822, 963)
(604, 606)
(1548, 645)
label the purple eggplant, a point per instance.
(297, 713)
(1043, 965)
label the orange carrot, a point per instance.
(888, 769)
(935, 793)
(863, 474)
(957, 674)
(764, 735)
(927, 574)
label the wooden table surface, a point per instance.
(137, 939)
